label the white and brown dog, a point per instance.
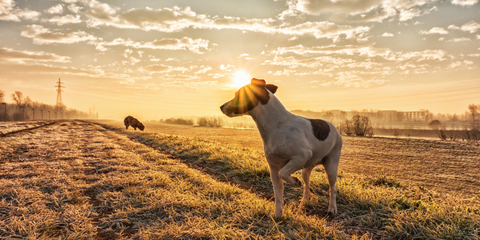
(290, 142)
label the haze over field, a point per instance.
(170, 58)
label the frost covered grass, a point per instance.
(375, 205)
(82, 180)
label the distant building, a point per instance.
(374, 115)
(414, 116)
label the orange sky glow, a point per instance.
(156, 59)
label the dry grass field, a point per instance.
(443, 166)
(86, 180)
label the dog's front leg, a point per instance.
(292, 166)
(277, 190)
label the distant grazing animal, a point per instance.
(290, 142)
(131, 121)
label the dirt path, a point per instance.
(14, 127)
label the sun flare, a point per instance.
(240, 79)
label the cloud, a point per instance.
(57, 9)
(409, 14)
(161, 68)
(74, 8)
(246, 56)
(462, 39)
(316, 7)
(203, 69)
(385, 34)
(67, 19)
(41, 35)
(47, 69)
(194, 45)
(368, 52)
(176, 19)
(470, 27)
(464, 2)
(466, 64)
(366, 11)
(435, 30)
(354, 66)
(8, 12)
(326, 30)
(19, 56)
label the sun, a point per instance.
(240, 79)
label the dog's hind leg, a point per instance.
(331, 168)
(277, 190)
(306, 179)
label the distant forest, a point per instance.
(22, 108)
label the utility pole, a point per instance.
(5, 116)
(33, 114)
(49, 116)
(59, 106)
(59, 92)
(41, 110)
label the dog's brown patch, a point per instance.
(320, 129)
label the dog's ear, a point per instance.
(258, 82)
(272, 88)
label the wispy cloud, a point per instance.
(194, 45)
(177, 19)
(17, 55)
(42, 35)
(470, 27)
(66, 19)
(161, 68)
(368, 10)
(57, 9)
(464, 2)
(435, 30)
(8, 12)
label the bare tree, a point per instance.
(473, 111)
(2, 96)
(19, 100)
(21, 103)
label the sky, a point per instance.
(154, 59)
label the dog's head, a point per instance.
(138, 124)
(248, 97)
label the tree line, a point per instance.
(22, 108)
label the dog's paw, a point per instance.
(298, 183)
(332, 210)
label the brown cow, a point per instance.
(131, 121)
